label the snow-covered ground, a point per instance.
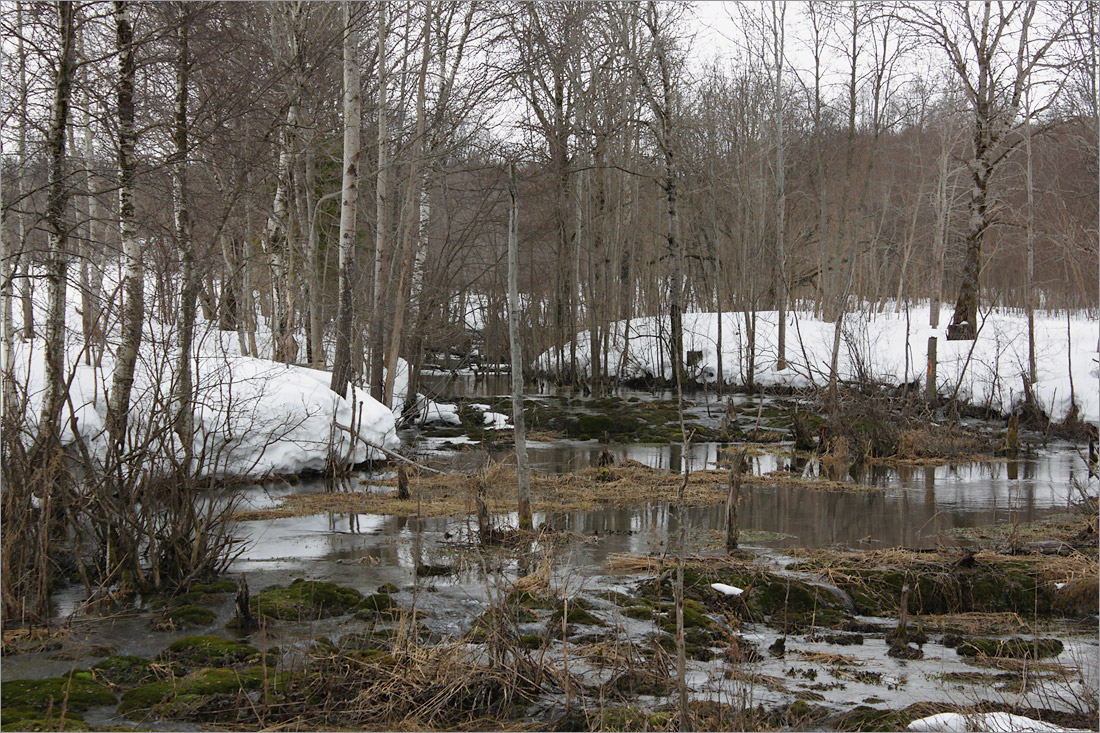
(889, 347)
(252, 416)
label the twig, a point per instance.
(388, 452)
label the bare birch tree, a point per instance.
(991, 49)
(133, 285)
(349, 200)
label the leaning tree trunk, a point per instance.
(341, 359)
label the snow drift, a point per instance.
(887, 347)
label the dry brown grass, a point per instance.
(450, 494)
(652, 564)
(832, 660)
(34, 639)
(938, 443)
(977, 623)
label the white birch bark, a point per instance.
(523, 470)
(133, 293)
(341, 367)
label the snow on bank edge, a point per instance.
(889, 347)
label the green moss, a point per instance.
(387, 588)
(76, 692)
(209, 651)
(146, 696)
(374, 656)
(938, 586)
(694, 616)
(1015, 648)
(578, 614)
(624, 718)
(213, 681)
(124, 671)
(189, 615)
(377, 605)
(531, 641)
(640, 612)
(29, 719)
(528, 600)
(640, 681)
(175, 694)
(220, 586)
(305, 599)
(696, 644)
(865, 717)
(594, 426)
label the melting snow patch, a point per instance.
(496, 421)
(729, 590)
(991, 722)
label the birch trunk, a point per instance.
(778, 17)
(133, 293)
(341, 358)
(523, 471)
(381, 208)
(410, 225)
(91, 260)
(49, 436)
(27, 332)
(183, 420)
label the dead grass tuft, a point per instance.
(832, 660)
(927, 443)
(453, 493)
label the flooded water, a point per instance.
(908, 507)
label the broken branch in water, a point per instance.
(388, 452)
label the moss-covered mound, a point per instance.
(201, 594)
(579, 612)
(174, 698)
(123, 671)
(186, 616)
(938, 584)
(782, 601)
(192, 652)
(29, 719)
(76, 692)
(1014, 648)
(377, 606)
(305, 600)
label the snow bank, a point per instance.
(889, 347)
(252, 416)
